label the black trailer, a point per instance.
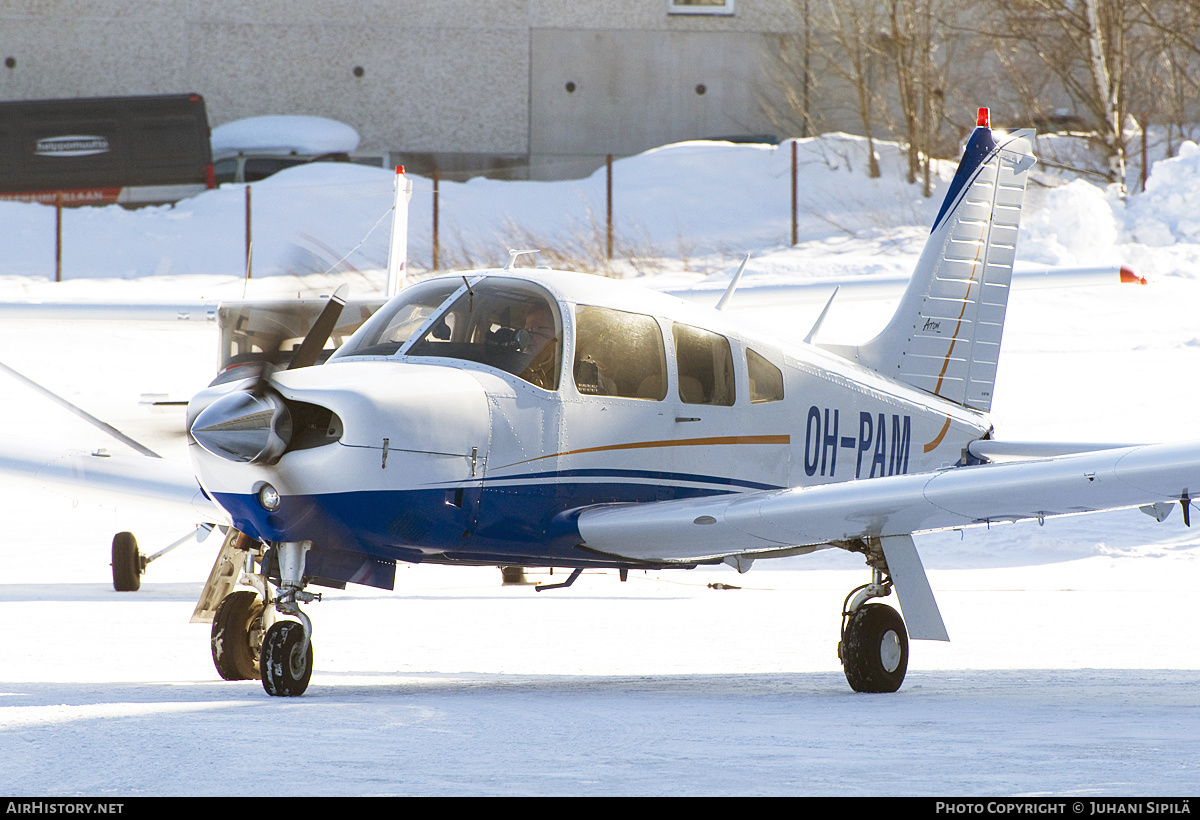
(126, 150)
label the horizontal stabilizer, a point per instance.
(989, 450)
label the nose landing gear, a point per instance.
(287, 659)
(248, 643)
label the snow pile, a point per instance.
(1073, 224)
(1168, 212)
(284, 134)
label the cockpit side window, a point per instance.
(705, 366)
(392, 325)
(766, 380)
(510, 325)
(618, 353)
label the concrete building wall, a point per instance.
(469, 85)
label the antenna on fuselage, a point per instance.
(733, 283)
(514, 253)
(821, 319)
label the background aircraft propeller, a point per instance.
(254, 424)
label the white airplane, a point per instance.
(542, 418)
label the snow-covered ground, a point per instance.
(1073, 667)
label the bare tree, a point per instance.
(854, 28)
(1168, 84)
(1084, 45)
(921, 53)
(833, 61)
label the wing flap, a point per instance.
(762, 522)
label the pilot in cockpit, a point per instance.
(543, 368)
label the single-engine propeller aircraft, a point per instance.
(540, 418)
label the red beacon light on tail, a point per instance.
(984, 119)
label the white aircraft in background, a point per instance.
(539, 418)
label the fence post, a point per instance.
(249, 242)
(608, 196)
(437, 177)
(58, 206)
(794, 198)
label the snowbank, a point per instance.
(696, 206)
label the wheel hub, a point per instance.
(890, 652)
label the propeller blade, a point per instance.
(270, 355)
(310, 349)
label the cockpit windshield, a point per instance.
(508, 324)
(505, 323)
(392, 325)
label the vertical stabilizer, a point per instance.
(945, 335)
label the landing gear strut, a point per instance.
(874, 644)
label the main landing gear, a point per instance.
(874, 644)
(248, 640)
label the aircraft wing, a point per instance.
(765, 522)
(169, 484)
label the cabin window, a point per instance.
(705, 366)
(766, 380)
(619, 354)
(392, 325)
(507, 324)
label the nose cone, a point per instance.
(245, 427)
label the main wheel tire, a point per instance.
(286, 661)
(874, 649)
(236, 636)
(126, 563)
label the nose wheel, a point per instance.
(287, 659)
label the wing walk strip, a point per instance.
(710, 441)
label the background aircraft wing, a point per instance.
(755, 294)
(760, 523)
(168, 484)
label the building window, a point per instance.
(700, 6)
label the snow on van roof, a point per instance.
(284, 134)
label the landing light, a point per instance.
(268, 496)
